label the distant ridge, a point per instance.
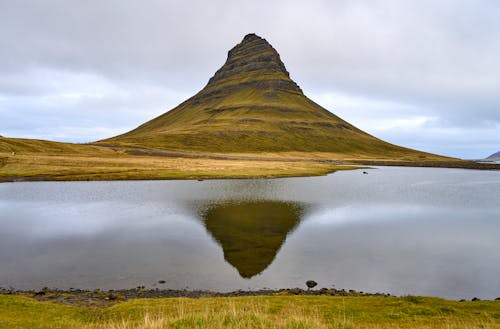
(251, 105)
(494, 157)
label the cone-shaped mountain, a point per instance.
(252, 105)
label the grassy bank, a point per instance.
(76, 167)
(31, 160)
(255, 312)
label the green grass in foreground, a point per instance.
(255, 312)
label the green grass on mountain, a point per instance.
(247, 122)
(315, 312)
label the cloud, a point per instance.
(110, 65)
(413, 126)
(81, 107)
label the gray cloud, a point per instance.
(78, 70)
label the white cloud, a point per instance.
(81, 107)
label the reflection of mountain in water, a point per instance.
(251, 232)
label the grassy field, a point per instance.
(23, 159)
(27, 159)
(315, 312)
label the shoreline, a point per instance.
(33, 160)
(328, 167)
(104, 298)
(190, 177)
(463, 164)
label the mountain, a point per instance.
(494, 157)
(251, 105)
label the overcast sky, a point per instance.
(423, 74)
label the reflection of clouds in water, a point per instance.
(350, 214)
(381, 213)
(443, 253)
(50, 220)
(42, 220)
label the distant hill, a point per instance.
(251, 105)
(494, 157)
(36, 146)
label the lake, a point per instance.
(420, 231)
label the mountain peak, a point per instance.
(252, 45)
(255, 61)
(251, 36)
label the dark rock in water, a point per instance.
(311, 284)
(462, 300)
(498, 298)
(161, 281)
(365, 173)
(475, 299)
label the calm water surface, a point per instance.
(416, 231)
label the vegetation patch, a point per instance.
(253, 312)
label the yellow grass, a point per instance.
(122, 166)
(25, 159)
(315, 312)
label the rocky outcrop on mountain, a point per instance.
(255, 60)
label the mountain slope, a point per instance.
(495, 156)
(252, 105)
(37, 146)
